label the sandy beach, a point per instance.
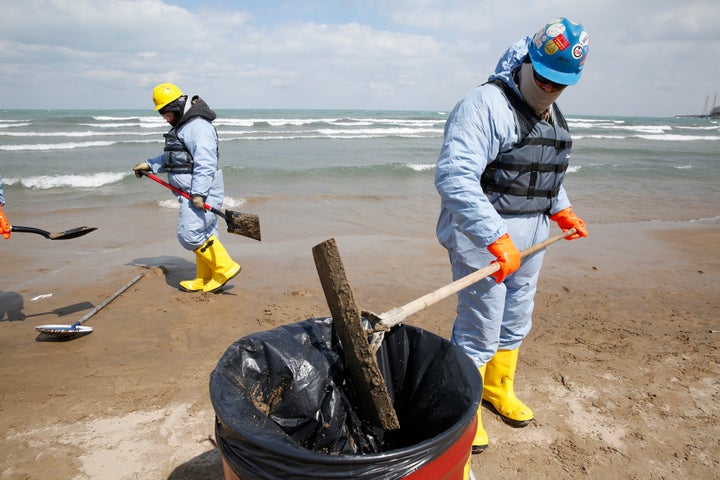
(621, 367)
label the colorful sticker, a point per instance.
(561, 42)
(550, 48)
(554, 29)
(584, 40)
(578, 51)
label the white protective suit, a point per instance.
(490, 316)
(194, 225)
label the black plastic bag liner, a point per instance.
(284, 410)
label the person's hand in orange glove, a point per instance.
(566, 220)
(5, 229)
(508, 257)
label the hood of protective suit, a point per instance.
(197, 108)
(509, 62)
(505, 71)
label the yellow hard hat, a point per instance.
(165, 93)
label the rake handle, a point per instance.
(392, 317)
(108, 300)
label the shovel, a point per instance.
(245, 224)
(78, 328)
(66, 235)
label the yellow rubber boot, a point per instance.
(222, 267)
(203, 274)
(468, 468)
(480, 442)
(498, 392)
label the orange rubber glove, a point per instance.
(4, 225)
(508, 257)
(566, 220)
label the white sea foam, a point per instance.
(46, 182)
(229, 202)
(699, 127)
(108, 126)
(86, 133)
(421, 167)
(663, 137)
(56, 146)
(643, 128)
(270, 122)
(343, 121)
(325, 134)
(172, 204)
(678, 138)
(105, 118)
(599, 137)
(379, 132)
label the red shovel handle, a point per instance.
(152, 176)
(159, 180)
(162, 182)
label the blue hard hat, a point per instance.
(558, 51)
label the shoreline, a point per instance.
(620, 367)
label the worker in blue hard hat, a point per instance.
(500, 178)
(190, 158)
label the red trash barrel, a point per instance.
(283, 410)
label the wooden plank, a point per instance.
(360, 361)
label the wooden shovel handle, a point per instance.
(392, 317)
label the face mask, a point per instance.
(538, 99)
(177, 107)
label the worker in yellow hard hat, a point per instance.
(190, 159)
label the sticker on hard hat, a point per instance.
(584, 40)
(580, 49)
(561, 42)
(577, 51)
(555, 29)
(551, 48)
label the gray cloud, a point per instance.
(651, 58)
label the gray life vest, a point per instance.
(176, 157)
(526, 178)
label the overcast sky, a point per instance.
(647, 57)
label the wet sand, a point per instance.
(621, 367)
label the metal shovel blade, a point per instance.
(64, 330)
(66, 235)
(72, 233)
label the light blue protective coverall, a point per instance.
(195, 226)
(490, 316)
